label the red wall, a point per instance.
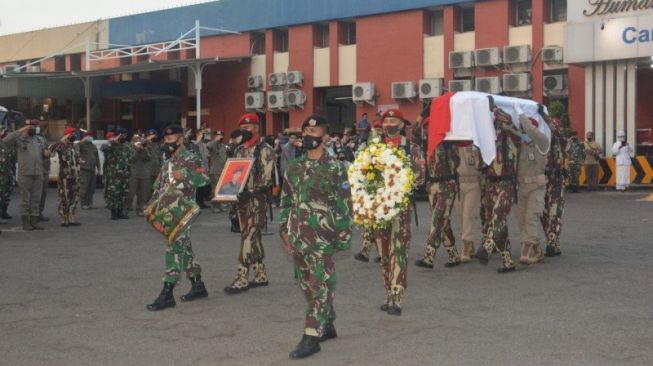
(450, 24)
(576, 85)
(538, 43)
(223, 93)
(384, 55)
(491, 18)
(300, 48)
(236, 45)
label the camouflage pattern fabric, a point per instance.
(554, 200)
(576, 155)
(316, 215)
(89, 163)
(394, 242)
(184, 173)
(368, 242)
(68, 183)
(116, 174)
(6, 178)
(499, 199)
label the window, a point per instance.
(435, 22)
(60, 63)
(258, 43)
(558, 11)
(523, 12)
(350, 33)
(281, 40)
(322, 36)
(467, 19)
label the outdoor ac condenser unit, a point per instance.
(555, 83)
(403, 90)
(295, 98)
(490, 85)
(487, 57)
(254, 100)
(516, 82)
(277, 79)
(362, 92)
(460, 85)
(430, 88)
(516, 54)
(461, 60)
(552, 54)
(294, 77)
(255, 82)
(277, 99)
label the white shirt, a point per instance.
(622, 153)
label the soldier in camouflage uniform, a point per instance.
(68, 183)
(315, 223)
(554, 200)
(252, 206)
(156, 158)
(183, 169)
(4, 205)
(393, 241)
(5, 174)
(500, 187)
(139, 177)
(443, 176)
(576, 154)
(116, 173)
(89, 161)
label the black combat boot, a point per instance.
(550, 250)
(329, 332)
(42, 218)
(165, 299)
(27, 225)
(394, 309)
(361, 257)
(235, 226)
(197, 290)
(424, 264)
(483, 256)
(306, 347)
(5, 215)
(122, 215)
(33, 221)
(114, 215)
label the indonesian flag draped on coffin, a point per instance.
(467, 116)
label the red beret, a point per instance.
(376, 123)
(69, 131)
(392, 113)
(110, 134)
(534, 122)
(248, 119)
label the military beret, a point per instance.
(110, 135)
(152, 131)
(69, 131)
(248, 119)
(396, 113)
(173, 130)
(315, 121)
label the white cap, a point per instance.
(621, 134)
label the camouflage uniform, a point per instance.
(156, 160)
(443, 176)
(188, 174)
(68, 183)
(367, 243)
(252, 211)
(554, 200)
(576, 154)
(500, 188)
(116, 174)
(139, 178)
(89, 165)
(46, 180)
(315, 214)
(6, 177)
(393, 241)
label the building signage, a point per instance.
(611, 7)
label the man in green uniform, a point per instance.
(252, 205)
(5, 174)
(577, 155)
(217, 158)
(89, 162)
(183, 169)
(139, 178)
(68, 183)
(116, 173)
(315, 223)
(156, 158)
(501, 179)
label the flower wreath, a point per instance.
(381, 180)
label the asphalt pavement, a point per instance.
(77, 296)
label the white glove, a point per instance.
(518, 109)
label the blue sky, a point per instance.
(26, 15)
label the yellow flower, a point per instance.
(370, 176)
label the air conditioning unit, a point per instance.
(9, 68)
(552, 54)
(487, 57)
(461, 60)
(555, 83)
(295, 98)
(490, 85)
(254, 100)
(277, 79)
(517, 82)
(362, 92)
(460, 85)
(33, 69)
(403, 90)
(295, 77)
(277, 99)
(430, 88)
(516, 54)
(255, 81)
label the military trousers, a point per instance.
(6, 189)
(138, 187)
(68, 189)
(467, 208)
(554, 204)
(592, 176)
(44, 193)
(31, 189)
(441, 197)
(317, 280)
(393, 243)
(87, 185)
(498, 202)
(574, 175)
(368, 242)
(179, 257)
(252, 218)
(530, 205)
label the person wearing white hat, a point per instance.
(622, 152)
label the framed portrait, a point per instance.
(233, 179)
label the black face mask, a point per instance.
(169, 148)
(71, 138)
(392, 131)
(247, 135)
(31, 132)
(122, 139)
(311, 142)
